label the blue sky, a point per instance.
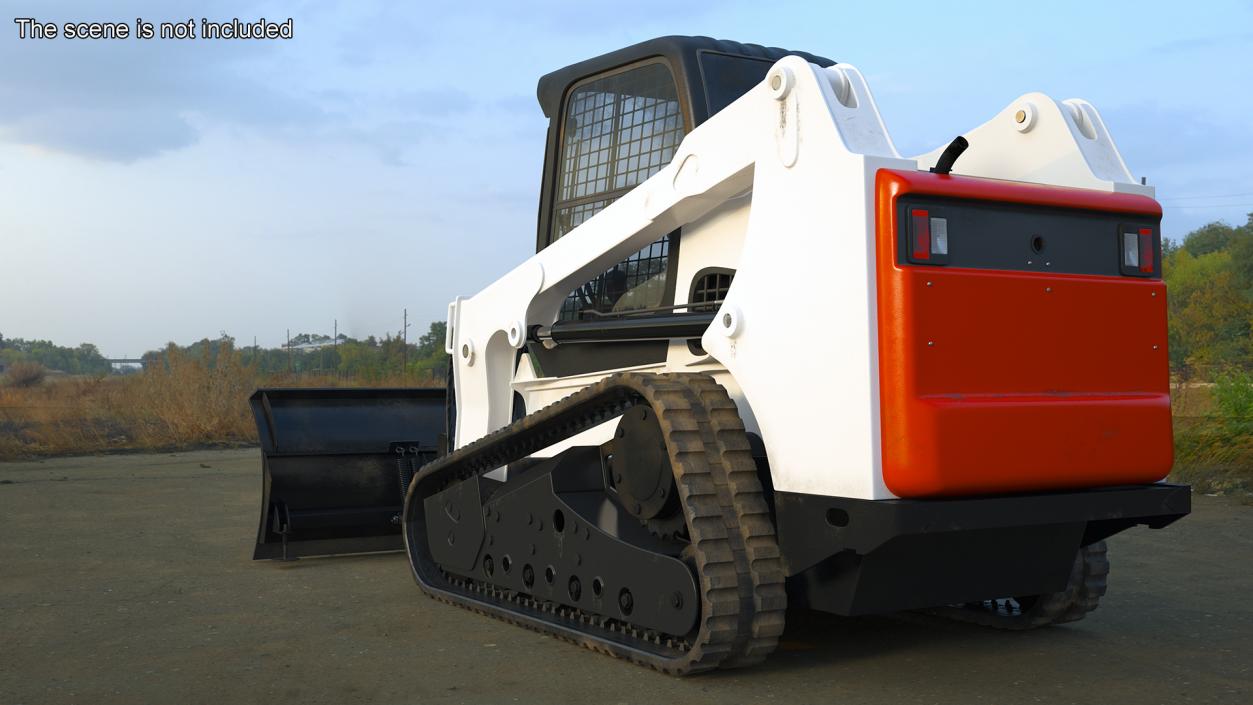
(389, 155)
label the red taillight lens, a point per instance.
(922, 234)
(1146, 250)
(1138, 251)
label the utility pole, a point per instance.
(335, 347)
(404, 347)
(289, 351)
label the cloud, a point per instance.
(108, 134)
(130, 99)
(1202, 43)
(1161, 137)
(354, 73)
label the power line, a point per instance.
(1217, 205)
(1193, 198)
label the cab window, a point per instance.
(617, 131)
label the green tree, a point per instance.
(431, 343)
(1210, 282)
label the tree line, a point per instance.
(82, 360)
(372, 358)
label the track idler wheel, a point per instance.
(640, 470)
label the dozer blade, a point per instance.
(336, 463)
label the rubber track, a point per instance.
(1088, 581)
(724, 635)
(767, 612)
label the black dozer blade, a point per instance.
(336, 464)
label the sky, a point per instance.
(388, 156)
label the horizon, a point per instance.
(389, 157)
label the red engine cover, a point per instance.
(997, 381)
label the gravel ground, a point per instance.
(127, 579)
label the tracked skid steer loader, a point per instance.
(761, 360)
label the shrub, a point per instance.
(25, 374)
(1214, 449)
(1233, 396)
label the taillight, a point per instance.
(1137, 251)
(939, 236)
(922, 235)
(1146, 250)
(928, 237)
(1130, 251)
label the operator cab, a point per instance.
(614, 121)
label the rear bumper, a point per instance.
(855, 556)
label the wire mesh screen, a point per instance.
(618, 131)
(637, 282)
(710, 290)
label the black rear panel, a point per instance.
(1015, 237)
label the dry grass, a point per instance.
(190, 403)
(185, 404)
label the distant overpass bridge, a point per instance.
(126, 361)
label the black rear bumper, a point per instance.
(853, 556)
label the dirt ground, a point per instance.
(127, 579)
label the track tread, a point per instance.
(730, 632)
(767, 608)
(1088, 581)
